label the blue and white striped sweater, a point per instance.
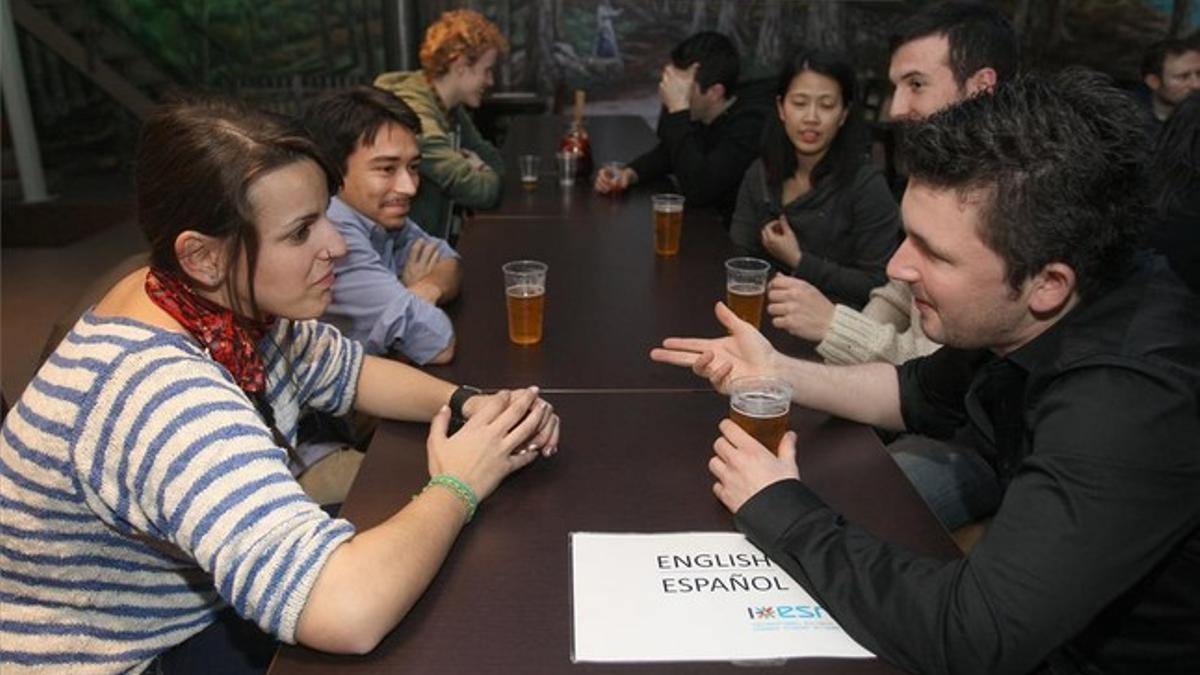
(140, 492)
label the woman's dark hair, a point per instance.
(196, 161)
(848, 149)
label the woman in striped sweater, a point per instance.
(144, 484)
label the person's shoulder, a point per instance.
(757, 95)
(869, 173)
(755, 179)
(415, 90)
(345, 216)
(1144, 322)
(402, 82)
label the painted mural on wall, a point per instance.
(614, 48)
(278, 54)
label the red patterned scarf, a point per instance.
(231, 340)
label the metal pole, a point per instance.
(16, 106)
(399, 34)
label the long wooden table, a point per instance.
(632, 462)
(609, 297)
(637, 435)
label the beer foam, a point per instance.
(743, 288)
(760, 403)
(525, 290)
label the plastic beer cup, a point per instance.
(525, 297)
(760, 405)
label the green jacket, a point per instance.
(447, 179)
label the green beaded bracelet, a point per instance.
(460, 489)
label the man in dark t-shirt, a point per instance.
(709, 130)
(1075, 362)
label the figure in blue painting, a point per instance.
(606, 33)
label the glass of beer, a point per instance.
(746, 288)
(529, 165)
(760, 405)
(668, 222)
(525, 294)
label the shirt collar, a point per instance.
(342, 212)
(1083, 325)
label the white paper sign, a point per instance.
(692, 596)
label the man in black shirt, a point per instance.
(1074, 364)
(709, 130)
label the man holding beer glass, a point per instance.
(1070, 358)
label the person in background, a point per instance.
(394, 275)
(459, 168)
(151, 519)
(943, 54)
(1171, 70)
(1175, 191)
(709, 129)
(1074, 360)
(813, 204)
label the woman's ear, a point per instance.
(201, 257)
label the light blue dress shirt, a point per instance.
(370, 304)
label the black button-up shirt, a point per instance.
(1092, 563)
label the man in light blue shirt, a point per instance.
(389, 285)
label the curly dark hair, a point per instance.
(1062, 157)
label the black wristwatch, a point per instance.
(457, 400)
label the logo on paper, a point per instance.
(762, 612)
(789, 618)
(786, 612)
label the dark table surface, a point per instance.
(609, 297)
(613, 138)
(628, 463)
(636, 435)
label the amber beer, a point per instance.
(746, 288)
(760, 405)
(668, 223)
(529, 182)
(525, 297)
(526, 303)
(746, 300)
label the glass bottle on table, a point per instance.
(577, 141)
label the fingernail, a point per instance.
(532, 447)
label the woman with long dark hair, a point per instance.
(813, 204)
(145, 469)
